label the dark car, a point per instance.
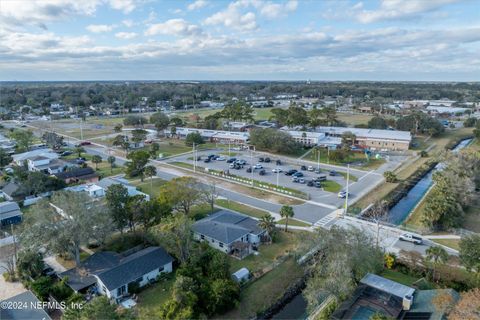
(290, 172)
(66, 153)
(303, 168)
(231, 160)
(84, 143)
(262, 172)
(310, 183)
(199, 158)
(211, 156)
(261, 159)
(332, 173)
(249, 170)
(279, 163)
(207, 160)
(267, 159)
(237, 166)
(298, 174)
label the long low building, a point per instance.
(374, 139)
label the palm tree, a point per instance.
(96, 159)
(267, 222)
(79, 150)
(111, 160)
(286, 212)
(437, 255)
(150, 171)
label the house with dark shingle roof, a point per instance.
(229, 232)
(109, 273)
(78, 175)
(23, 306)
(10, 213)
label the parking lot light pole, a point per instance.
(251, 160)
(346, 196)
(318, 160)
(194, 158)
(278, 173)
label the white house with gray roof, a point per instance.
(110, 273)
(228, 231)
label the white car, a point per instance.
(310, 168)
(411, 238)
(277, 170)
(258, 166)
(221, 159)
(343, 194)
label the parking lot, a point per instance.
(252, 160)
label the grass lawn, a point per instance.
(151, 299)
(294, 222)
(399, 277)
(262, 293)
(357, 159)
(376, 194)
(451, 243)
(331, 186)
(351, 176)
(201, 211)
(414, 221)
(70, 263)
(242, 208)
(354, 119)
(154, 190)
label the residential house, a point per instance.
(376, 294)
(9, 190)
(230, 232)
(76, 175)
(25, 306)
(214, 135)
(9, 213)
(21, 158)
(110, 274)
(105, 183)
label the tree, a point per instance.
(152, 212)
(210, 194)
(267, 222)
(118, 128)
(52, 139)
(116, 200)
(348, 139)
(176, 236)
(181, 193)
(160, 121)
(30, 265)
(193, 138)
(24, 139)
(122, 142)
(437, 255)
(135, 208)
(286, 212)
(99, 308)
(69, 222)
(138, 135)
(136, 121)
(79, 150)
(154, 148)
(297, 117)
(468, 307)
(273, 140)
(96, 159)
(470, 122)
(378, 316)
(5, 158)
(176, 122)
(377, 123)
(390, 176)
(280, 116)
(111, 160)
(136, 165)
(151, 171)
(470, 252)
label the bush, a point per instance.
(133, 287)
(42, 287)
(423, 154)
(9, 277)
(326, 313)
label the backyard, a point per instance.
(151, 299)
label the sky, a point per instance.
(383, 40)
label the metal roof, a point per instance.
(386, 285)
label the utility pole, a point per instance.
(278, 173)
(318, 160)
(251, 161)
(194, 158)
(14, 245)
(328, 155)
(346, 196)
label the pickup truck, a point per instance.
(411, 238)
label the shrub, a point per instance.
(42, 287)
(134, 287)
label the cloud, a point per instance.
(176, 27)
(99, 28)
(273, 10)
(198, 4)
(126, 6)
(232, 17)
(128, 23)
(126, 35)
(399, 9)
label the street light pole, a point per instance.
(251, 161)
(194, 158)
(318, 160)
(278, 173)
(346, 196)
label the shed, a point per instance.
(241, 275)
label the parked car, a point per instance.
(199, 158)
(295, 179)
(231, 160)
(303, 168)
(148, 141)
(261, 159)
(411, 238)
(321, 178)
(332, 173)
(277, 170)
(310, 168)
(318, 184)
(318, 171)
(241, 162)
(237, 166)
(66, 153)
(301, 180)
(84, 143)
(310, 183)
(220, 158)
(258, 166)
(279, 162)
(267, 159)
(249, 169)
(290, 172)
(298, 174)
(207, 160)
(262, 172)
(343, 194)
(211, 156)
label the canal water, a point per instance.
(296, 309)
(402, 209)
